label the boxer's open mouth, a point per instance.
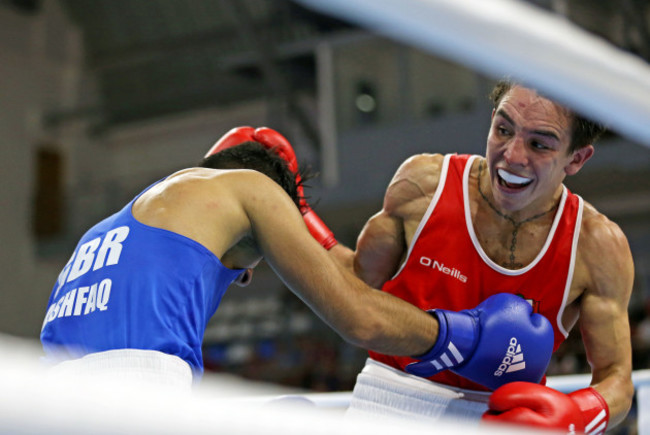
(512, 181)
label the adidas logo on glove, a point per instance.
(514, 359)
(485, 344)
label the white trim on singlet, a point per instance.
(432, 205)
(574, 250)
(479, 249)
(470, 228)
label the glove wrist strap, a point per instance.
(441, 343)
(594, 409)
(319, 230)
(457, 337)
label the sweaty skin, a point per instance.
(527, 159)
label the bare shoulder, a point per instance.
(211, 177)
(604, 250)
(601, 235)
(260, 197)
(419, 166)
(416, 179)
(206, 205)
(246, 180)
(253, 188)
(210, 184)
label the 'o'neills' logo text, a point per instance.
(428, 262)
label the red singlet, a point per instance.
(447, 268)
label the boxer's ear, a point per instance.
(578, 159)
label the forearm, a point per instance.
(606, 261)
(360, 314)
(606, 337)
(392, 326)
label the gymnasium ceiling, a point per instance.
(153, 57)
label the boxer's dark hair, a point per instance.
(585, 131)
(252, 155)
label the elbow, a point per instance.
(626, 387)
(629, 392)
(366, 333)
(365, 340)
(621, 409)
(363, 329)
(618, 391)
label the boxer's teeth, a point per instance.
(513, 179)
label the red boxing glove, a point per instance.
(583, 411)
(316, 226)
(278, 143)
(234, 137)
(273, 140)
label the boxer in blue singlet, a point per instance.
(142, 284)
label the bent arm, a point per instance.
(384, 240)
(604, 320)
(361, 315)
(380, 248)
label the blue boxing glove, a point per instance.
(498, 342)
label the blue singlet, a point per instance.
(132, 286)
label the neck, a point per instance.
(516, 218)
(516, 222)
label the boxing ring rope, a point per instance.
(33, 402)
(509, 37)
(565, 384)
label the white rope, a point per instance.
(33, 401)
(508, 37)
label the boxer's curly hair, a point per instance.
(585, 131)
(252, 155)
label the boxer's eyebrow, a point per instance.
(546, 133)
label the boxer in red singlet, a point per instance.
(455, 229)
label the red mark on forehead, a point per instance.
(522, 105)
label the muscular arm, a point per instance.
(361, 315)
(384, 240)
(380, 248)
(604, 323)
(343, 255)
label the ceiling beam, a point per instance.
(275, 79)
